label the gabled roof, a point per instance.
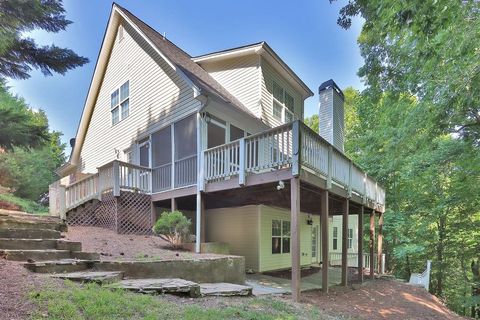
(204, 81)
(263, 49)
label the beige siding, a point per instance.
(336, 221)
(241, 77)
(239, 228)
(158, 96)
(269, 261)
(269, 75)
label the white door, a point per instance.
(315, 241)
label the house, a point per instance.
(220, 137)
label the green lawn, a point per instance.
(25, 204)
(94, 302)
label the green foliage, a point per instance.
(32, 152)
(19, 124)
(75, 302)
(25, 204)
(18, 55)
(173, 227)
(417, 129)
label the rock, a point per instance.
(224, 289)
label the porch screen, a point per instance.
(162, 159)
(185, 134)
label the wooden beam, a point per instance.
(345, 212)
(380, 243)
(372, 244)
(176, 193)
(360, 244)
(295, 233)
(325, 240)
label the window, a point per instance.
(236, 133)
(120, 103)
(162, 147)
(127, 155)
(283, 104)
(350, 238)
(185, 133)
(280, 236)
(335, 238)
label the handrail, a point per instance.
(277, 148)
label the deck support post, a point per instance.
(360, 245)
(372, 244)
(198, 223)
(380, 244)
(116, 178)
(324, 225)
(295, 232)
(173, 204)
(345, 212)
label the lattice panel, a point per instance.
(106, 214)
(134, 213)
(130, 213)
(83, 215)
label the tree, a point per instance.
(18, 55)
(428, 49)
(19, 124)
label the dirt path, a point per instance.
(16, 283)
(381, 299)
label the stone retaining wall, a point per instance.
(207, 270)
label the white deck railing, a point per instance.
(113, 176)
(289, 146)
(335, 259)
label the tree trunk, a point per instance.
(440, 255)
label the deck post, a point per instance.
(324, 225)
(330, 167)
(198, 223)
(360, 245)
(116, 178)
(372, 244)
(62, 202)
(345, 212)
(173, 204)
(241, 173)
(295, 232)
(380, 244)
(296, 147)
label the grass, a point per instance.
(91, 301)
(25, 204)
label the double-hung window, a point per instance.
(350, 238)
(335, 238)
(120, 103)
(283, 104)
(280, 236)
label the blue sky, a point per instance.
(304, 34)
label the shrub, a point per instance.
(173, 227)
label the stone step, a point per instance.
(155, 286)
(100, 277)
(82, 255)
(22, 233)
(35, 255)
(13, 223)
(28, 244)
(60, 266)
(224, 289)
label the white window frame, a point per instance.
(285, 110)
(118, 105)
(282, 236)
(335, 238)
(350, 238)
